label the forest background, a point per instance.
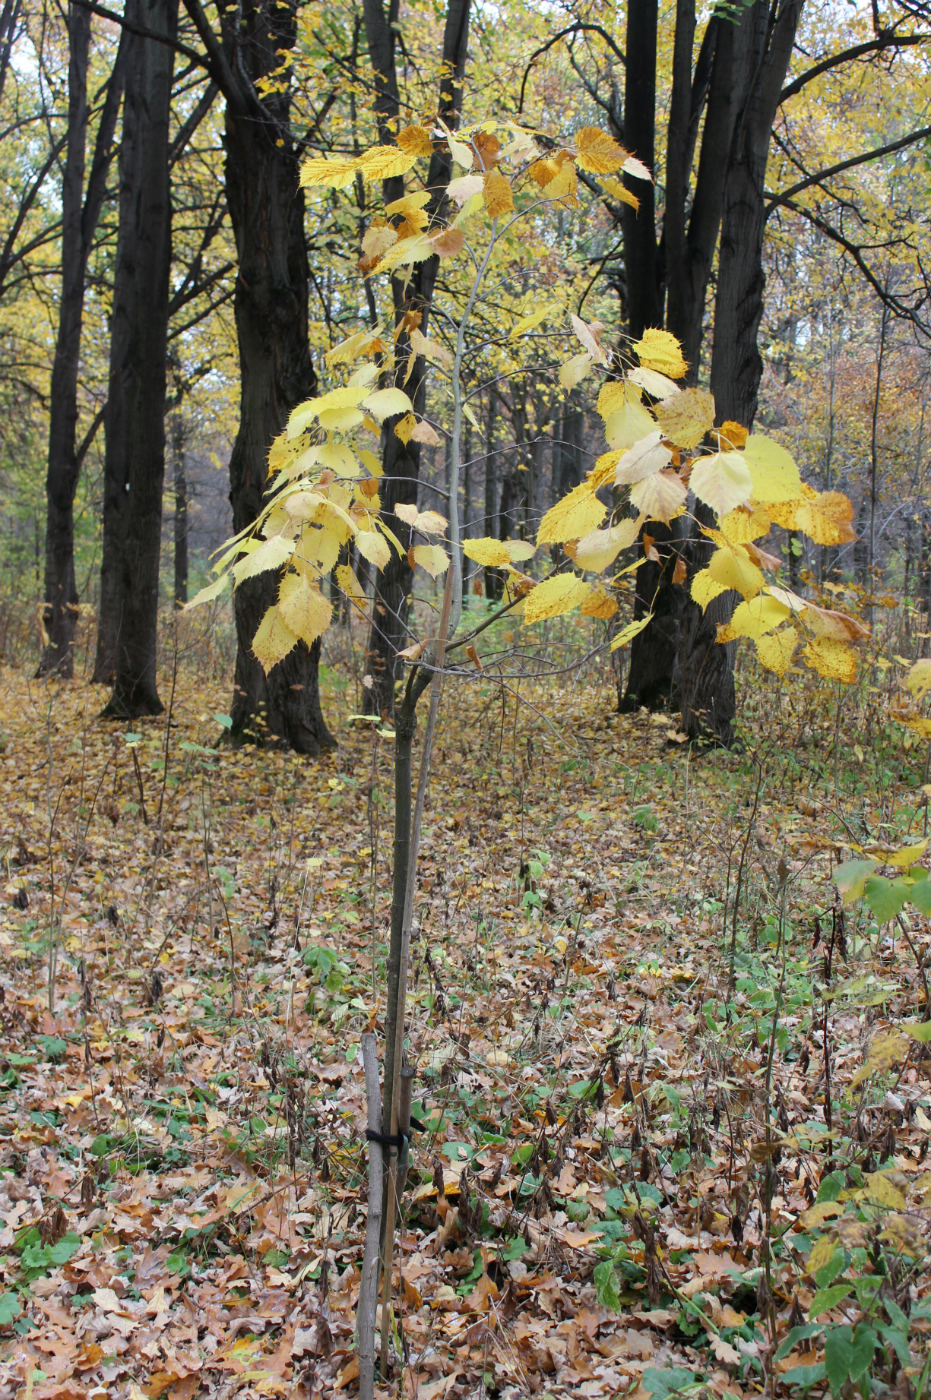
(643, 1202)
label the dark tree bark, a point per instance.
(266, 207)
(134, 462)
(412, 293)
(80, 214)
(180, 524)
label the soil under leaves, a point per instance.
(668, 1110)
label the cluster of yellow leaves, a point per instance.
(415, 227)
(327, 498)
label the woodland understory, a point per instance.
(675, 1137)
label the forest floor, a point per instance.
(675, 1138)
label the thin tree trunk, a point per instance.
(180, 531)
(79, 220)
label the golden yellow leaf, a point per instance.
(431, 350)
(918, 680)
(660, 350)
(406, 252)
(772, 469)
(415, 141)
(496, 195)
(532, 320)
(722, 481)
(659, 497)
(273, 640)
(628, 424)
(354, 347)
(303, 608)
(730, 436)
(487, 552)
(777, 649)
(330, 172)
(404, 427)
(599, 604)
(832, 659)
(381, 162)
(630, 631)
(431, 557)
(611, 396)
(555, 596)
(754, 618)
(270, 554)
(385, 403)
(597, 152)
(574, 516)
(348, 582)
(824, 622)
(377, 239)
(374, 547)
(827, 519)
(602, 473)
(617, 190)
(686, 416)
(564, 184)
(408, 204)
(743, 525)
(732, 567)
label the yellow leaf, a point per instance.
(754, 618)
(732, 567)
(645, 457)
(339, 459)
(374, 547)
(431, 557)
(496, 195)
(599, 548)
(210, 591)
(824, 622)
(599, 603)
(685, 416)
(382, 162)
(597, 152)
(659, 497)
(743, 526)
(612, 396)
(827, 519)
(385, 403)
(832, 659)
(564, 184)
(302, 608)
(428, 522)
(730, 435)
(602, 473)
(337, 409)
(722, 481)
(354, 347)
(880, 1190)
(619, 191)
(628, 425)
(334, 173)
(704, 588)
(405, 427)
(777, 649)
(407, 251)
(630, 631)
(532, 320)
(488, 552)
(430, 349)
(772, 469)
(918, 680)
(348, 583)
(575, 370)
(555, 596)
(376, 241)
(574, 516)
(270, 554)
(660, 350)
(273, 640)
(415, 140)
(658, 386)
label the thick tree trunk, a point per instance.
(134, 462)
(267, 212)
(79, 220)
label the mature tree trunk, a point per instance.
(266, 209)
(762, 49)
(79, 220)
(134, 463)
(413, 294)
(180, 524)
